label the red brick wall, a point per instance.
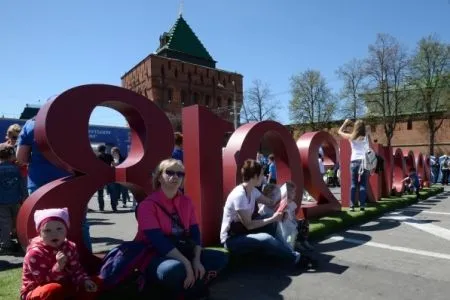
(415, 138)
(160, 78)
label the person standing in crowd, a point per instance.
(445, 167)
(359, 141)
(12, 193)
(321, 165)
(119, 189)
(178, 149)
(272, 176)
(107, 159)
(40, 170)
(12, 134)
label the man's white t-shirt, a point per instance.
(236, 200)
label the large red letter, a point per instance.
(62, 135)
(245, 142)
(203, 140)
(308, 145)
(399, 171)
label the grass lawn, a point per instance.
(10, 284)
(320, 228)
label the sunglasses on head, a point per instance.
(173, 173)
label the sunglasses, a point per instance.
(171, 173)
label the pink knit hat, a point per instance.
(41, 217)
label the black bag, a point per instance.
(183, 243)
(237, 228)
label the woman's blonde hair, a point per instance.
(162, 166)
(13, 129)
(359, 129)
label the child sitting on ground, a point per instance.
(412, 182)
(12, 193)
(295, 231)
(51, 267)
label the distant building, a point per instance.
(109, 136)
(181, 73)
(410, 133)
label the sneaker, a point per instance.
(362, 209)
(307, 263)
(352, 209)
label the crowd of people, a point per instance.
(259, 218)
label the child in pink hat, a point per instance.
(51, 267)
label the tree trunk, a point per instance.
(432, 133)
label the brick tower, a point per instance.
(181, 73)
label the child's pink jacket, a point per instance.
(39, 266)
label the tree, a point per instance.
(430, 78)
(312, 101)
(386, 92)
(352, 73)
(258, 103)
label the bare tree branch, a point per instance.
(386, 68)
(258, 103)
(312, 101)
(430, 76)
(352, 73)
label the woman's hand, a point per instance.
(199, 270)
(190, 278)
(277, 216)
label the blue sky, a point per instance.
(49, 46)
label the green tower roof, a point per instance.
(182, 43)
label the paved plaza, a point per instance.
(402, 255)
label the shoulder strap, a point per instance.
(177, 221)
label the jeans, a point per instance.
(8, 215)
(125, 195)
(100, 198)
(445, 174)
(114, 190)
(171, 273)
(358, 180)
(261, 240)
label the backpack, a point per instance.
(370, 158)
(122, 269)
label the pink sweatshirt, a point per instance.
(39, 266)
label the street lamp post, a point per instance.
(235, 114)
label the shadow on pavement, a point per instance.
(264, 278)
(106, 240)
(97, 221)
(6, 265)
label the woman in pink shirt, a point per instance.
(166, 219)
